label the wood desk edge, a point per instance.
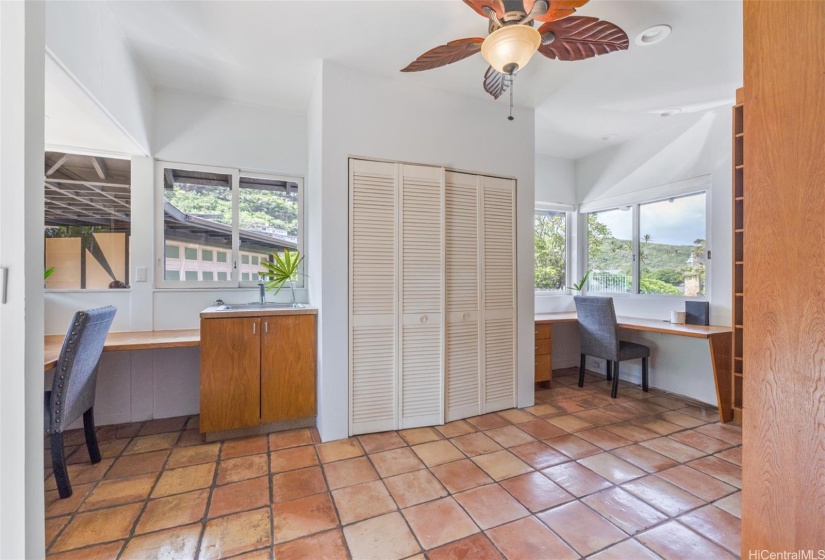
(129, 340)
(639, 324)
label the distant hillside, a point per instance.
(616, 254)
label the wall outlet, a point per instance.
(140, 274)
(595, 364)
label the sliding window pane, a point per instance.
(268, 209)
(609, 251)
(197, 216)
(551, 250)
(87, 222)
(672, 246)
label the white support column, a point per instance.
(22, 62)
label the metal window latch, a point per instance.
(4, 282)
(708, 255)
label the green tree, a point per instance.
(550, 251)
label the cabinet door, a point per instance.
(287, 368)
(230, 374)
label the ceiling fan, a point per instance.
(513, 39)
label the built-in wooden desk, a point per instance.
(135, 340)
(719, 341)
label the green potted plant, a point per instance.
(281, 270)
(578, 287)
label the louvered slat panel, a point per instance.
(499, 251)
(462, 370)
(498, 202)
(421, 239)
(421, 380)
(461, 241)
(499, 363)
(373, 385)
(373, 238)
(373, 380)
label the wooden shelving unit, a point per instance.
(738, 369)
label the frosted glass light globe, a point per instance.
(510, 48)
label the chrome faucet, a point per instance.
(262, 288)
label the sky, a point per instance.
(679, 222)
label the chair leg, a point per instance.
(615, 390)
(608, 366)
(61, 475)
(581, 371)
(91, 436)
(644, 375)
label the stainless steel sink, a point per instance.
(255, 306)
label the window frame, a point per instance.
(635, 209)
(569, 246)
(234, 278)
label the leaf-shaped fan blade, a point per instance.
(478, 5)
(495, 83)
(558, 9)
(445, 54)
(579, 37)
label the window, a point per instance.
(87, 221)
(550, 250)
(609, 251)
(672, 246)
(228, 222)
(654, 247)
(172, 252)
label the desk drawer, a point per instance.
(544, 370)
(544, 331)
(543, 346)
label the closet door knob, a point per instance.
(423, 319)
(466, 316)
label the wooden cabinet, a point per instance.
(739, 202)
(287, 368)
(256, 370)
(544, 358)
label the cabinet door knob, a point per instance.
(266, 327)
(254, 328)
(423, 319)
(466, 316)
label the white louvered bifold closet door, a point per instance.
(421, 276)
(498, 293)
(373, 296)
(461, 233)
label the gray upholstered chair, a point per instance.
(73, 388)
(599, 337)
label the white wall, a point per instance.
(85, 38)
(194, 128)
(695, 145)
(370, 116)
(22, 39)
(556, 180)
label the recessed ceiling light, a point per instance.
(653, 35)
(670, 112)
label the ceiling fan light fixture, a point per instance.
(511, 47)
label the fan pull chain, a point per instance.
(512, 82)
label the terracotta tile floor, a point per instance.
(577, 475)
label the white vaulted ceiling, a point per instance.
(268, 53)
